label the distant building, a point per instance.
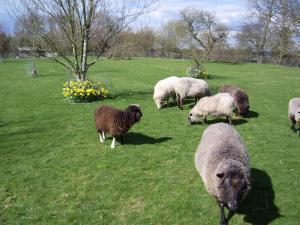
(24, 52)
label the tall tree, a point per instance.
(204, 29)
(72, 24)
(263, 12)
(4, 43)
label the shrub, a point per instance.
(87, 91)
(196, 72)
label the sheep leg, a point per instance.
(167, 101)
(113, 143)
(103, 135)
(100, 137)
(178, 100)
(122, 139)
(204, 120)
(181, 104)
(229, 120)
(223, 218)
(174, 99)
(293, 127)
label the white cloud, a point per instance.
(229, 12)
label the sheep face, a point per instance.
(243, 110)
(159, 102)
(195, 116)
(135, 111)
(232, 189)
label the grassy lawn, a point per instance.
(53, 170)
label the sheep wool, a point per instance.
(241, 99)
(221, 104)
(294, 113)
(190, 87)
(221, 160)
(163, 90)
(115, 121)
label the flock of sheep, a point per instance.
(221, 158)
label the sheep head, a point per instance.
(159, 102)
(233, 185)
(135, 111)
(195, 115)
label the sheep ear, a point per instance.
(136, 105)
(220, 175)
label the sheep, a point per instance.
(220, 104)
(221, 160)
(241, 99)
(294, 113)
(163, 90)
(190, 87)
(116, 122)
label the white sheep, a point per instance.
(294, 113)
(190, 87)
(221, 104)
(163, 90)
(221, 160)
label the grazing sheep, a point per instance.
(241, 99)
(222, 162)
(294, 113)
(116, 122)
(163, 90)
(217, 105)
(190, 87)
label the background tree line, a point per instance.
(270, 35)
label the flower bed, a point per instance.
(87, 91)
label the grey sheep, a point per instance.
(241, 99)
(115, 121)
(294, 113)
(222, 161)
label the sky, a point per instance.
(229, 12)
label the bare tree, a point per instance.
(72, 24)
(4, 43)
(292, 16)
(172, 37)
(264, 12)
(204, 29)
(281, 32)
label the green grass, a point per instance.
(53, 170)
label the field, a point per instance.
(53, 170)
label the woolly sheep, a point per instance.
(116, 122)
(217, 105)
(190, 87)
(163, 90)
(221, 160)
(294, 113)
(241, 99)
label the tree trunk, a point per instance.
(84, 57)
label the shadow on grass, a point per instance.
(210, 121)
(259, 208)
(252, 114)
(140, 139)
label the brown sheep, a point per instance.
(241, 99)
(115, 121)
